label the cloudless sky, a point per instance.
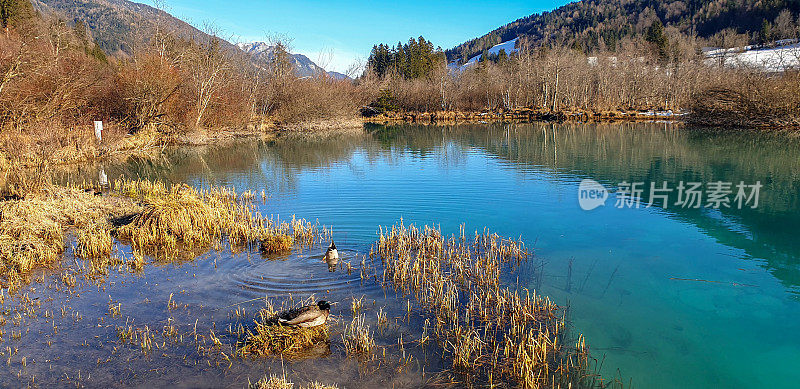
(335, 34)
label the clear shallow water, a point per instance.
(625, 273)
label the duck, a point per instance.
(331, 257)
(306, 317)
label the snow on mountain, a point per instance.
(784, 55)
(509, 46)
(304, 67)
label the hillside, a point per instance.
(592, 24)
(116, 24)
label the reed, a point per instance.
(357, 338)
(180, 219)
(95, 243)
(281, 382)
(487, 330)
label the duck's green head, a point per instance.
(324, 305)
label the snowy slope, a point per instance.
(783, 56)
(508, 46)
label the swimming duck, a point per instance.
(306, 317)
(331, 257)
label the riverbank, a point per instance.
(22, 150)
(522, 115)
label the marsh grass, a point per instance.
(276, 243)
(357, 338)
(489, 331)
(281, 382)
(160, 222)
(268, 337)
(34, 228)
(181, 219)
(95, 243)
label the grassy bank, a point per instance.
(162, 223)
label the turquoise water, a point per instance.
(666, 298)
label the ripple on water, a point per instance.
(303, 273)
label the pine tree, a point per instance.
(655, 35)
(15, 11)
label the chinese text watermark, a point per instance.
(715, 194)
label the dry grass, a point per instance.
(95, 243)
(33, 229)
(277, 243)
(182, 219)
(357, 338)
(168, 223)
(270, 338)
(488, 330)
(281, 382)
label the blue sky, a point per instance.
(337, 33)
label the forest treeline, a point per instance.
(604, 25)
(661, 69)
(54, 81)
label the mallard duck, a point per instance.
(306, 317)
(331, 257)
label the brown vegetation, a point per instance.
(750, 101)
(268, 337)
(171, 88)
(165, 223)
(489, 331)
(33, 229)
(281, 382)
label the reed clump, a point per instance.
(281, 382)
(357, 338)
(488, 330)
(95, 243)
(268, 337)
(276, 243)
(181, 218)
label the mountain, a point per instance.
(591, 24)
(116, 24)
(304, 67)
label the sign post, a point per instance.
(98, 130)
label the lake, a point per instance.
(666, 297)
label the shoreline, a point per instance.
(525, 115)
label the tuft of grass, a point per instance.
(276, 243)
(272, 382)
(357, 337)
(281, 382)
(181, 218)
(270, 338)
(95, 243)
